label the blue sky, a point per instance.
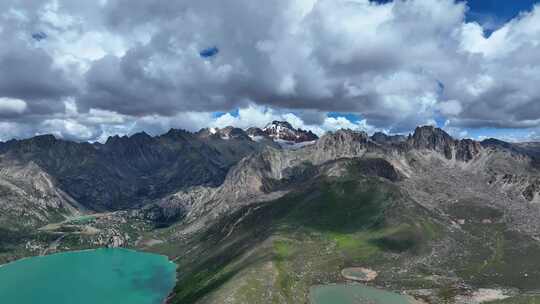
(501, 9)
(494, 13)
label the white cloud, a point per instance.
(12, 106)
(336, 123)
(449, 108)
(250, 116)
(68, 129)
(10, 130)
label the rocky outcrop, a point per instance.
(526, 185)
(532, 190)
(435, 139)
(467, 149)
(30, 197)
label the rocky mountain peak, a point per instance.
(284, 131)
(45, 140)
(37, 143)
(141, 138)
(177, 134)
(432, 138)
(430, 135)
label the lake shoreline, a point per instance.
(85, 250)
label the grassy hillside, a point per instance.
(274, 252)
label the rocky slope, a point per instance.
(29, 196)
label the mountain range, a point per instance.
(263, 215)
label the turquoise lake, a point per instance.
(102, 276)
(354, 294)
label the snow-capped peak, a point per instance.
(282, 130)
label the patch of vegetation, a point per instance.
(201, 283)
(283, 249)
(341, 206)
(283, 252)
(13, 243)
(83, 220)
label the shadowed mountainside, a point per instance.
(125, 171)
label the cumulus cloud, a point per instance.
(11, 106)
(450, 108)
(99, 68)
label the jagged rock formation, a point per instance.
(431, 138)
